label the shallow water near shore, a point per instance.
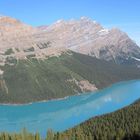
(60, 115)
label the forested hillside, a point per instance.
(120, 125)
(56, 77)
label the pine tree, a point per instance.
(50, 135)
(24, 134)
(37, 136)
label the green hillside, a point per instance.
(34, 80)
(120, 125)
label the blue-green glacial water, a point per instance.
(62, 114)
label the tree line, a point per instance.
(120, 125)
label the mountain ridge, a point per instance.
(63, 59)
(84, 36)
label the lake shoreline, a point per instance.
(60, 115)
(63, 98)
(30, 103)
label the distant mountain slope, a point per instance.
(36, 63)
(120, 125)
(71, 73)
(83, 36)
(14, 33)
(89, 37)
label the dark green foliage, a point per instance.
(34, 80)
(44, 45)
(17, 49)
(30, 56)
(24, 135)
(100, 72)
(50, 135)
(29, 49)
(120, 125)
(9, 51)
(11, 60)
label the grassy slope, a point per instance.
(34, 80)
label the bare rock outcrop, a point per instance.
(83, 36)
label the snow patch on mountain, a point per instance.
(104, 32)
(84, 36)
(137, 59)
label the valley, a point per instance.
(73, 79)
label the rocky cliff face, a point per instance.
(83, 36)
(14, 33)
(89, 37)
(21, 41)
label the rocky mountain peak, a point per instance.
(8, 21)
(84, 36)
(11, 28)
(14, 33)
(89, 37)
(12, 25)
(87, 19)
(83, 24)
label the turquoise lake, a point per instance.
(60, 115)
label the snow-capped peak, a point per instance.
(59, 21)
(104, 31)
(137, 59)
(84, 18)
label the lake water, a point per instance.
(60, 115)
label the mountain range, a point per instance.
(62, 59)
(83, 36)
